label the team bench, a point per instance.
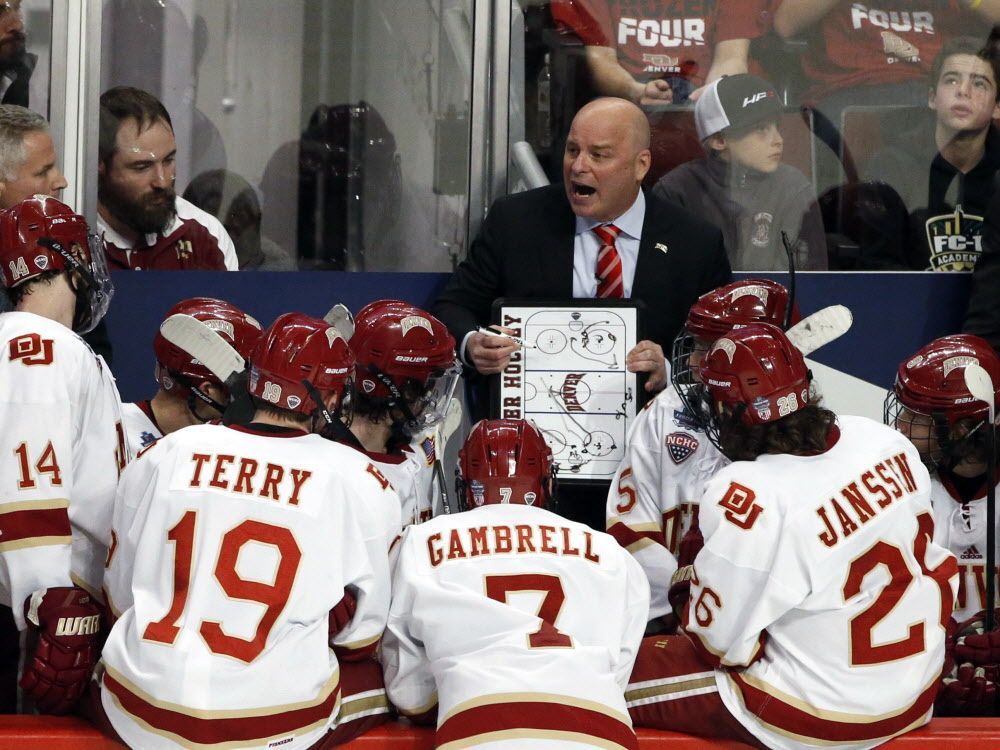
(60, 733)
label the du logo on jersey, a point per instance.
(680, 446)
(955, 241)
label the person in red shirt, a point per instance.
(658, 52)
(145, 225)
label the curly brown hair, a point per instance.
(802, 431)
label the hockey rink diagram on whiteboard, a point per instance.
(573, 384)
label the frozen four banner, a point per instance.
(570, 379)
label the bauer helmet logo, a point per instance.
(953, 363)
(918, 360)
(415, 321)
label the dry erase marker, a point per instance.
(515, 339)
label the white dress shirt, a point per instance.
(586, 245)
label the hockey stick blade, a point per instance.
(820, 328)
(442, 434)
(205, 345)
(340, 318)
(977, 380)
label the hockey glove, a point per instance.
(690, 546)
(680, 591)
(975, 646)
(968, 691)
(66, 624)
(342, 613)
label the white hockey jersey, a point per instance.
(820, 573)
(62, 448)
(231, 546)
(411, 473)
(523, 627)
(653, 498)
(961, 528)
(141, 431)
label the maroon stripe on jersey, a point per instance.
(626, 536)
(710, 658)
(539, 715)
(208, 731)
(770, 709)
(32, 523)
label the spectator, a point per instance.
(791, 639)
(873, 54)
(231, 199)
(937, 223)
(16, 63)
(61, 436)
(145, 225)
(27, 156)
(492, 629)
(932, 406)
(189, 392)
(660, 53)
(280, 520)
(741, 186)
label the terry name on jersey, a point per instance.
(885, 482)
(248, 476)
(502, 540)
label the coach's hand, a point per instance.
(648, 357)
(66, 625)
(490, 354)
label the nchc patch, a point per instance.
(680, 446)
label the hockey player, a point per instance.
(932, 406)
(61, 446)
(492, 625)
(818, 604)
(653, 499)
(257, 543)
(405, 375)
(189, 393)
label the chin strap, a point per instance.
(195, 394)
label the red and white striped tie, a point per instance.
(609, 264)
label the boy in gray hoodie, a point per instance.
(741, 185)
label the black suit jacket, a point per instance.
(525, 249)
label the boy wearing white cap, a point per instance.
(741, 185)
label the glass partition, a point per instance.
(324, 134)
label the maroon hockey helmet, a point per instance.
(405, 360)
(505, 461)
(931, 385)
(177, 371)
(719, 311)
(42, 234)
(756, 372)
(297, 362)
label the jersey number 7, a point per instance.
(547, 636)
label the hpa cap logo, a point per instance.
(680, 446)
(415, 321)
(754, 98)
